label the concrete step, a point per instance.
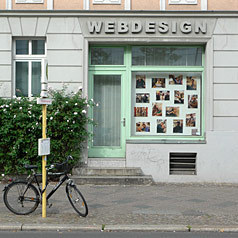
(113, 180)
(96, 171)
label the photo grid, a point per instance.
(166, 104)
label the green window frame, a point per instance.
(129, 70)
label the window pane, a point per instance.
(167, 56)
(36, 78)
(107, 56)
(107, 92)
(22, 47)
(21, 79)
(38, 47)
(166, 104)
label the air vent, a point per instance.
(182, 163)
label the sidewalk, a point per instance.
(167, 207)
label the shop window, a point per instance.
(106, 1)
(107, 56)
(28, 66)
(182, 1)
(166, 103)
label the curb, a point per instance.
(108, 228)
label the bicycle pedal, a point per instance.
(50, 205)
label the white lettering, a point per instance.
(136, 27)
(110, 27)
(150, 27)
(163, 27)
(200, 27)
(94, 26)
(186, 27)
(123, 27)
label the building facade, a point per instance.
(165, 81)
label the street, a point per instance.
(74, 234)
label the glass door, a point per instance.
(109, 132)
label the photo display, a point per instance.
(166, 103)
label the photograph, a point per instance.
(191, 83)
(192, 101)
(142, 98)
(158, 82)
(177, 126)
(140, 81)
(172, 111)
(143, 127)
(156, 109)
(141, 111)
(178, 97)
(162, 95)
(191, 120)
(161, 126)
(176, 80)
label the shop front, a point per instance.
(165, 84)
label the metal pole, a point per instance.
(44, 160)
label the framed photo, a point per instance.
(192, 101)
(175, 80)
(142, 98)
(178, 97)
(158, 82)
(177, 126)
(140, 81)
(191, 120)
(143, 127)
(156, 109)
(141, 111)
(162, 126)
(191, 83)
(162, 95)
(172, 111)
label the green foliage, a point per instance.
(21, 127)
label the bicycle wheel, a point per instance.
(77, 200)
(20, 198)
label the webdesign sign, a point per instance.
(146, 27)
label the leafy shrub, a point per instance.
(21, 127)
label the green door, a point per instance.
(106, 89)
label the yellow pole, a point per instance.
(44, 160)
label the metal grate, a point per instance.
(182, 163)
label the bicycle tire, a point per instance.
(21, 198)
(77, 200)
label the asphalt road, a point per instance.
(40, 234)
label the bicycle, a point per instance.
(22, 198)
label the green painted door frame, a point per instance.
(109, 151)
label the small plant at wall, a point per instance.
(20, 129)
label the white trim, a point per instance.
(204, 5)
(50, 4)
(8, 4)
(127, 4)
(86, 4)
(162, 5)
(185, 2)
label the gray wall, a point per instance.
(64, 49)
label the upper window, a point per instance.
(106, 1)
(166, 56)
(107, 56)
(29, 1)
(28, 66)
(183, 2)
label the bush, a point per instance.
(21, 127)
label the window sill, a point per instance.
(159, 141)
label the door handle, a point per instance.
(124, 122)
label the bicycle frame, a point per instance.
(54, 189)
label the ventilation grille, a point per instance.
(182, 163)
